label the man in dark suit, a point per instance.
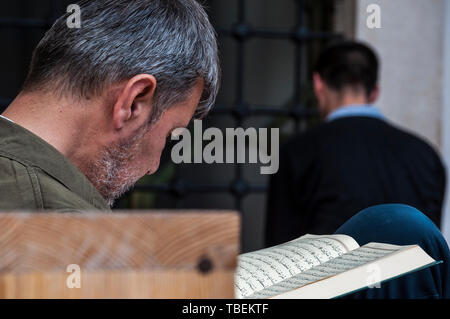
(355, 159)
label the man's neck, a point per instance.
(56, 121)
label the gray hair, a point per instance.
(172, 40)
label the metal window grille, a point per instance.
(242, 32)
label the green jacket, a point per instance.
(36, 176)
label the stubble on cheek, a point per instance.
(114, 172)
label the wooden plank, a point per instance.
(158, 254)
(128, 284)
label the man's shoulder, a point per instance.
(26, 187)
(308, 135)
(302, 146)
(309, 139)
(410, 142)
(320, 131)
(376, 128)
(350, 130)
(48, 172)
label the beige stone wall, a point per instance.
(410, 46)
(414, 47)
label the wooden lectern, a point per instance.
(157, 254)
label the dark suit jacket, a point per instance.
(336, 169)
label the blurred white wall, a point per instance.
(413, 45)
(446, 115)
(410, 46)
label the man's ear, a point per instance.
(135, 101)
(317, 84)
(373, 96)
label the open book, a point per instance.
(325, 266)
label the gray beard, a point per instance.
(112, 173)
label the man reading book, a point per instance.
(99, 102)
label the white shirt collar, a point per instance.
(364, 110)
(4, 117)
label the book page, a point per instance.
(353, 259)
(264, 268)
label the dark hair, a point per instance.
(348, 64)
(172, 40)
